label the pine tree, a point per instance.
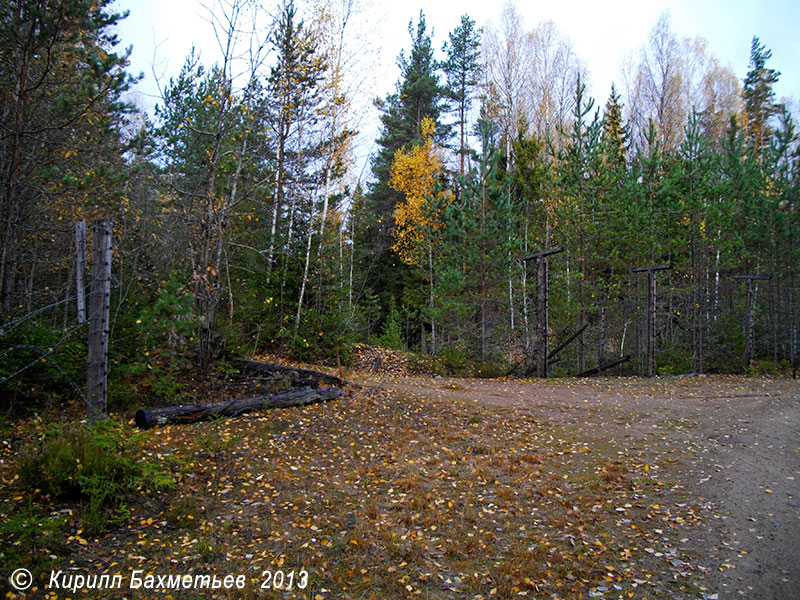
(292, 87)
(203, 149)
(60, 89)
(694, 176)
(484, 250)
(212, 142)
(462, 69)
(742, 187)
(580, 179)
(786, 252)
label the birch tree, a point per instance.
(416, 174)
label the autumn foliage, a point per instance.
(417, 173)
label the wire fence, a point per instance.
(47, 352)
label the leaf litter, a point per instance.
(406, 490)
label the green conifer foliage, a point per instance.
(60, 88)
(419, 95)
(759, 97)
(615, 135)
(462, 69)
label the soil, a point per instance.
(731, 444)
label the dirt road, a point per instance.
(731, 443)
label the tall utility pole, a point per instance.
(99, 303)
(748, 318)
(541, 308)
(650, 366)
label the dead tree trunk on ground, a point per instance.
(298, 376)
(178, 415)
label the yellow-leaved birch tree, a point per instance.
(414, 173)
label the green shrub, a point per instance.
(153, 342)
(762, 367)
(489, 370)
(424, 364)
(455, 361)
(169, 322)
(392, 336)
(29, 536)
(320, 339)
(100, 465)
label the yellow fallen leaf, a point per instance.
(768, 491)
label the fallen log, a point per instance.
(297, 375)
(601, 368)
(191, 413)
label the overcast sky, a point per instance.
(603, 33)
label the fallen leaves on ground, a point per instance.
(385, 495)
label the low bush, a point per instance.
(455, 362)
(100, 465)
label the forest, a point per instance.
(244, 224)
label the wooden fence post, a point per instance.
(80, 270)
(748, 317)
(99, 303)
(541, 309)
(650, 366)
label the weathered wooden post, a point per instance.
(601, 337)
(748, 317)
(650, 366)
(80, 270)
(99, 302)
(541, 308)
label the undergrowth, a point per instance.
(102, 466)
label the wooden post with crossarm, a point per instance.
(650, 366)
(541, 308)
(748, 317)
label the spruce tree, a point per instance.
(418, 96)
(759, 97)
(615, 134)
